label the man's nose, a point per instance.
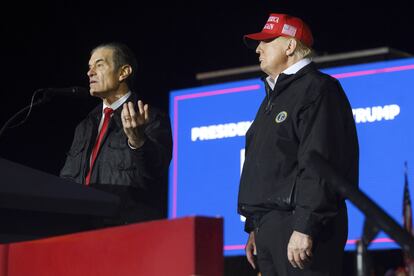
(259, 48)
(90, 72)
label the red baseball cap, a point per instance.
(281, 25)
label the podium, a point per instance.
(184, 246)
(42, 216)
(34, 204)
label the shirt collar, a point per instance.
(293, 69)
(115, 105)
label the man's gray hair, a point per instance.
(121, 55)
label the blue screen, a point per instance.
(209, 124)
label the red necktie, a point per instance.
(107, 116)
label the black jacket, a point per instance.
(136, 176)
(307, 113)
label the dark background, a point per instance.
(47, 44)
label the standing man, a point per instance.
(296, 222)
(122, 146)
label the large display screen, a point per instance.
(209, 125)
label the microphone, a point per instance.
(76, 91)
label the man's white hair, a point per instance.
(301, 50)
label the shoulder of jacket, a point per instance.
(94, 114)
(319, 84)
(320, 79)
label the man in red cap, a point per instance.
(296, 222)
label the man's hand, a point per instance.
(251, 249)
(133, 123)
(299, 250)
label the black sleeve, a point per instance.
(153, 158)
(326, 128)
(248, 225)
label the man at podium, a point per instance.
(123, 146)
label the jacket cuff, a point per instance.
(134, 148)
(248, 225)
(306, 222)
(131, 147)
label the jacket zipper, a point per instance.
(269, 98)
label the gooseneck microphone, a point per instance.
(47, 94)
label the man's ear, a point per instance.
(125, 72)
(291, 47)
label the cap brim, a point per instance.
(252, 40)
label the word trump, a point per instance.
(376, 113)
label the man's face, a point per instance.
(104, 79)
(272, 56)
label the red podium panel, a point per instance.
(4, 253)
(182, 247)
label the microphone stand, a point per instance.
(44, 99)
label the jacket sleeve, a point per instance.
(153, 158)
(326, 127)
(248, 225)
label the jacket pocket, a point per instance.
(284, 196)
(120, 159)
(120, 163)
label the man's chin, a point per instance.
(263, 67)
(95, 93)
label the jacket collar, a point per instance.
(283, 80)
(96, 114)
(293, 69)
